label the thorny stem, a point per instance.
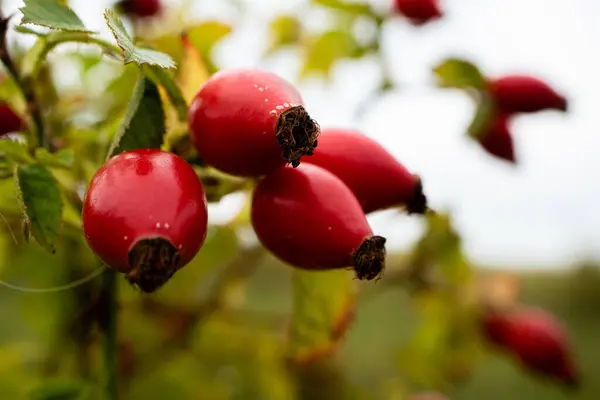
(25, 87)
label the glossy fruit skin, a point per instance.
(537, 340)
(141, 8)
(525, 94)
(498, 140)
(419, 12)
(233, 120)
(143, 194)
(9, 120)
(375, 177)
(308, 218)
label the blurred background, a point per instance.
(533, 221)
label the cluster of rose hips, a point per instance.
(511, 95)
(145, 211)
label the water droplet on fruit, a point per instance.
(279, 107)
(261, 89)
(125, 237)
(158, 224)
(167, 226)
(180, 246)
(286, 104)
(266, 100)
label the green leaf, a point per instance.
(206, 35)
(284, 30)
(323, 310)
(132, 53)
(461, 74)
(51, 14)
(143, 125)
(167, 81)
(62, 159)
(15, 151)
(41, 203)
(323, 51)
(349, 7)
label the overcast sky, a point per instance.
(540, 214)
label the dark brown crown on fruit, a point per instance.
(153, 262)
(297, 134)
(369, 259)
(418, 202)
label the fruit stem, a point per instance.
(297, 134)
(369, 259)
(108, 324)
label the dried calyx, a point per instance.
(418, 202)
(369, 259)
(297, 134)
(153, 262)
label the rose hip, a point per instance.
(525, 94)
(141, 8)
(9, 120)
(248, 122)
(498, 141)
(145, 215)
(536, 339)
(419, 12)
(309, 218)
(375, 177)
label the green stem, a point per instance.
(108, 324)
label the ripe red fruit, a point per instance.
(538, 341)
(9, 120)
(419, 12)
(375, 177)
(141, 8)
(248, 122)
(310, 219)
(145, 215)
(498, 141)
(525, 94)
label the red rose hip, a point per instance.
(309, 218)
(419, 12)
(9, 120)
(538, 341)
(145, 215)
(498, 140)
(248, 122)
(375, 177)
(525, 94)
(140, 8)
